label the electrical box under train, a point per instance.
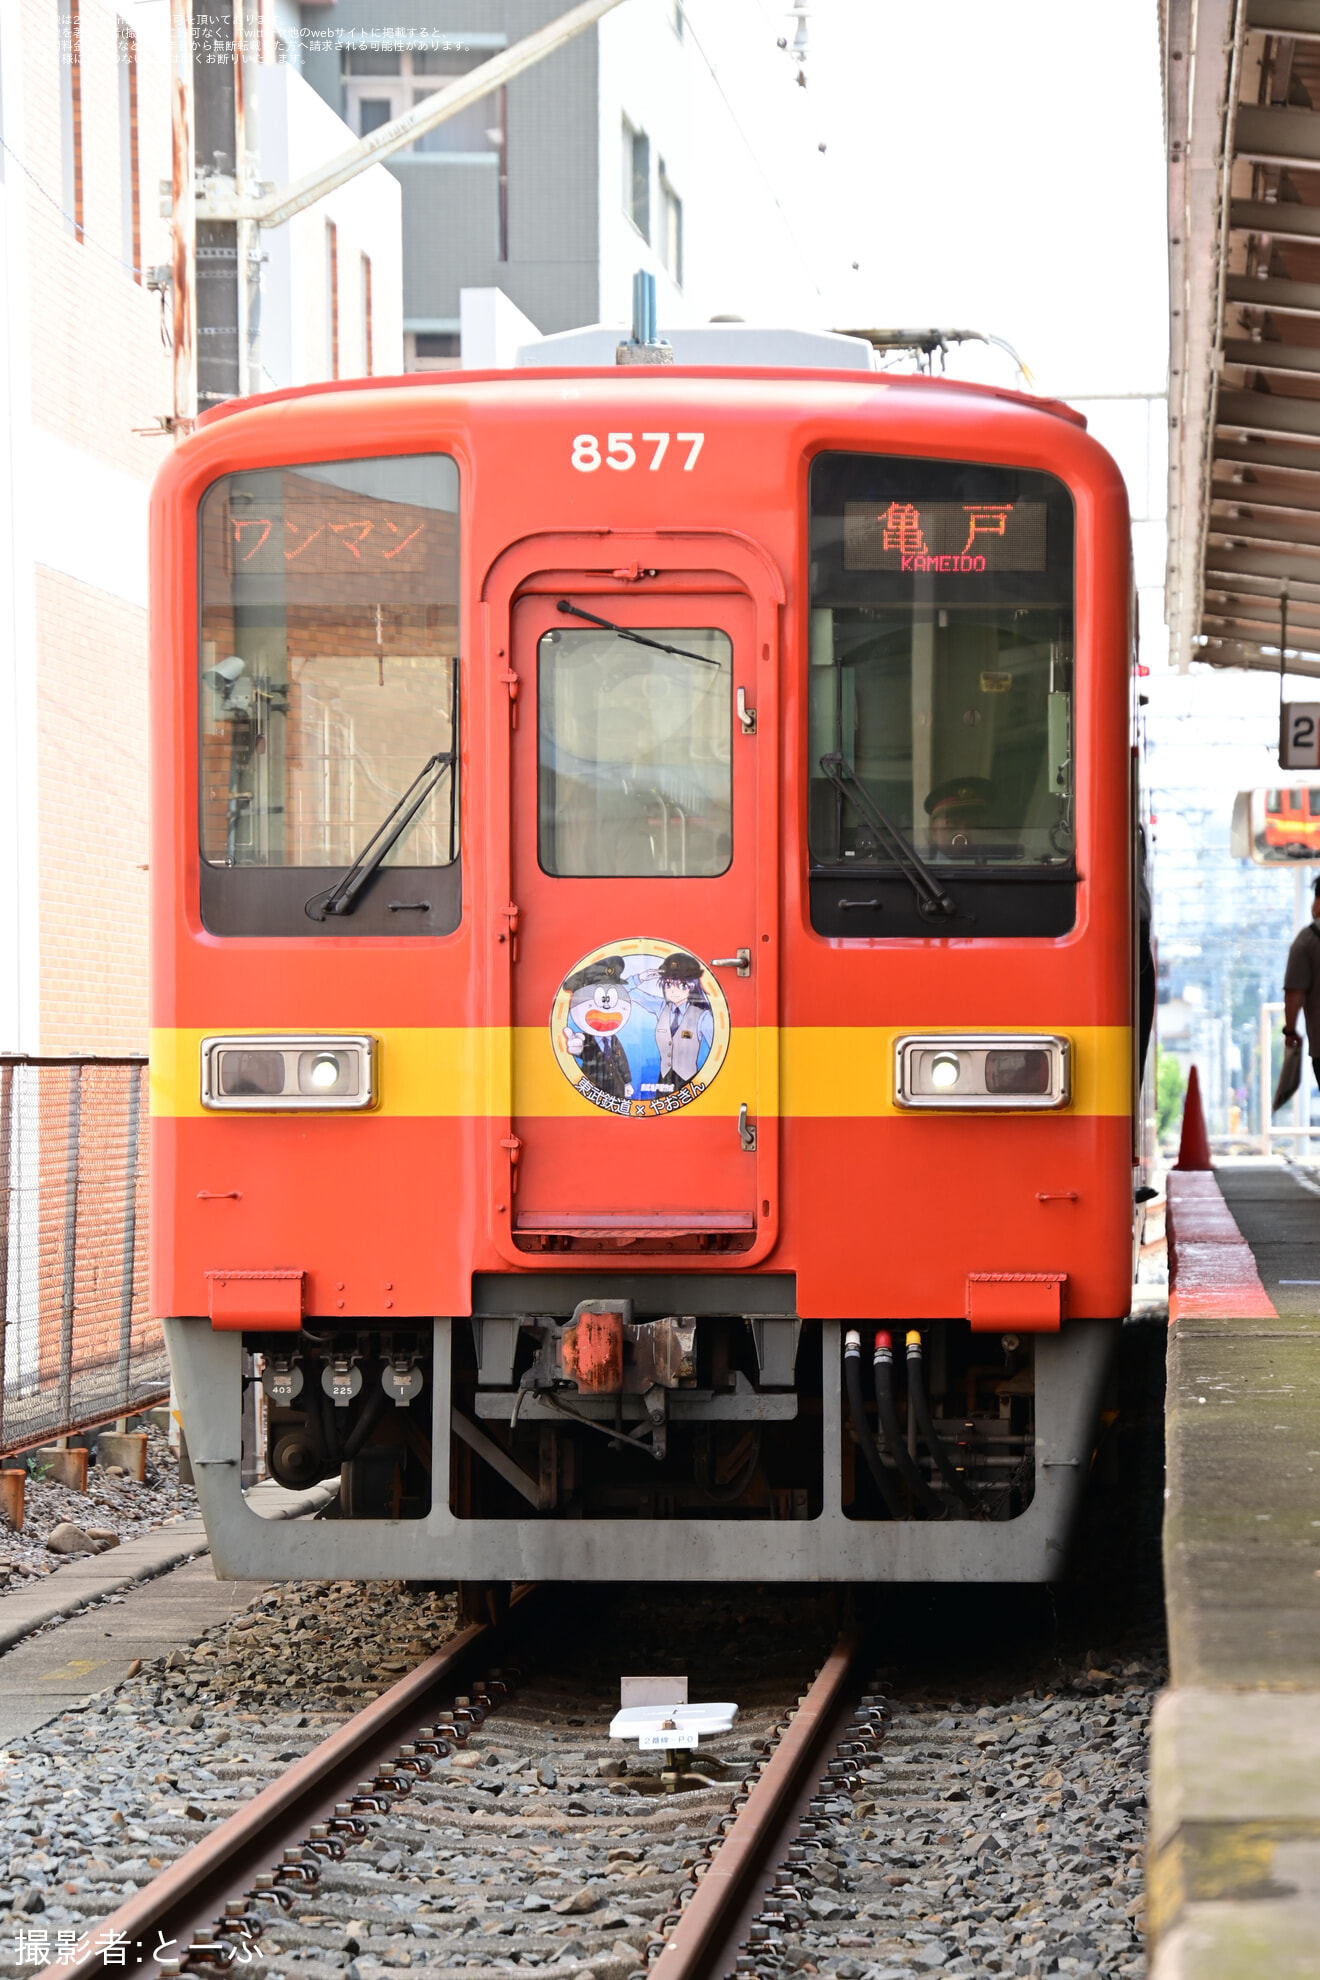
(645, 1036)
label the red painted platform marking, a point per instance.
(1212, 1274)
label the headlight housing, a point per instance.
(982, 1070)
(291, 1072)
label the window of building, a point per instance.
(940, 695)
(71, 148)
(671, 228)
(129, 183)
(328, 683)
(332, 297)
(432, 350)
(373, 111)
(373, 62)
(368, 364)
(380, 84)
(637, 178)
(634, 760)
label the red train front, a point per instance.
(643, 913)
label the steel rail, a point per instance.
(185, 1898)
(184, 1901)
(704, 1943)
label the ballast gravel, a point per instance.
(987, 1836)
(527, 1846)
(993, 1833)
(118, 1505)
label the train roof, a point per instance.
(536, 374)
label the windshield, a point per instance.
(941, 664)
(634, 752)
(328, 663)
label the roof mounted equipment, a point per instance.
(646, 345)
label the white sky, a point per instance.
(991, 166)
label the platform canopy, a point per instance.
(1242, 102)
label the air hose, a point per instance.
(852, 1377)
(918, 1404)
(371, 1412)
(929, 1501)
(330, 1432)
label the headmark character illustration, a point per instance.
(685, 1026)
(639, 1027)
(599, 1007)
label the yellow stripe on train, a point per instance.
(798, 1071)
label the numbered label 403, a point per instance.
(621, 450)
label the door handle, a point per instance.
(746, 715)
(742, 962)
(746, 1131)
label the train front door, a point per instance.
(644, 954)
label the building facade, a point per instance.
(85, 383)
(620, 151)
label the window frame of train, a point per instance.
(960, 559)
(362, 522)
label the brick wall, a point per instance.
(92, 817)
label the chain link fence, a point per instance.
(78, 1343)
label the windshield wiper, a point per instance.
(343, 897)
(931, 897)
(638, 639)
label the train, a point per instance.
(647, 934)
(1292, 824)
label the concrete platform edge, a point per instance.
(1234, 1848)
(73, 1588)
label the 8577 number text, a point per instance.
(621, 454)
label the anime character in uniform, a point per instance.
(599, 1007)
(685, 1024)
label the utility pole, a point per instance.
(182, 215)
(220, 204)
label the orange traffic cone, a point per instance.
(1194, 1147)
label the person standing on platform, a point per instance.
(1301, 985)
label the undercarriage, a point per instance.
(606, 1441)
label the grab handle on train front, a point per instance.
(746, 1131)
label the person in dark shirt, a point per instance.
(1301, 984)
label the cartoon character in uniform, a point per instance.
(599, 1008)
(685, 1026)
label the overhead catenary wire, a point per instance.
(89, 240)
(751, 150)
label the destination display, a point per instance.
(324, 530)
(959, 537)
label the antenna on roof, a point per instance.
(646, 345)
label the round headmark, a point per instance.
(640, 1027)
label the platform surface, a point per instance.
(1235, 1762)
(169, 1597)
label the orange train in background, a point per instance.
(644, 951)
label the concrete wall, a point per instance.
(450, 203)
(83, 377)
(658, 65)
(299, 132)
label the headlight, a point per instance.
(944, 1070)
(305, 1073)
(981, 1071)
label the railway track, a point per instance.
(866, 1829)
(298, 1872)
